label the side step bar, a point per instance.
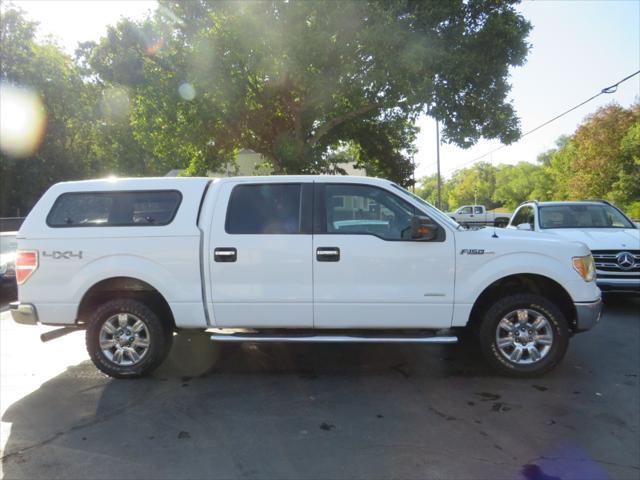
(253, 338)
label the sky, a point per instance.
(73, 21)
(577, 49)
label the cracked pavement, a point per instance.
(322, 411)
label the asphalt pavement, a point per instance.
(322, 411)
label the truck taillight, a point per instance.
(26, 264)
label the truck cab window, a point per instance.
(270, 208)
(465, 210)
(477, 210)
(360, 209)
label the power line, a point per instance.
(610, 89)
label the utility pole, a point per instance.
(414, 177)
(438, 161)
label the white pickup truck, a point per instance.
(291, 259)
(478, 216)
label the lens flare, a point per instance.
(187, 92)
(167, 14)
(115, 104)
(23, 121)
(154, 47)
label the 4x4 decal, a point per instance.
(57, 255)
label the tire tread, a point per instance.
(523, 300)
(161, 338)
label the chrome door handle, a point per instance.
(328, 254)
(224, 254)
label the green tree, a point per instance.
(596, 157)
(550, 180)
(427, 188)
(515, 184)
(51, 76)
(475, 184)
(294, 80)
(626, 189)
(600, 160)
(88, 131)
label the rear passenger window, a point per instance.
(114, 209)
(264, 209)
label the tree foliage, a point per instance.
(605, 154)
(83, 137)
(427, 188)
(308, 84)
(294, 80)
(600, 160)
(45, 70)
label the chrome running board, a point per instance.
(319, 338)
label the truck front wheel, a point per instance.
(125, 339)
(524, 335)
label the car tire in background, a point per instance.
(501, 222)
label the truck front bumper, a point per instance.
(24, 313)
(588, 315)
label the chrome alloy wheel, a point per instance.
(524, 336)
(124, 339)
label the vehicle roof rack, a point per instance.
(528, 201)
(601, 200)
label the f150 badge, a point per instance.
(57, 255)
(474, 251)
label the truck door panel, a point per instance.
(260, 256)
(367, 272)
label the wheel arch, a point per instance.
(524, 283)
(125, 287)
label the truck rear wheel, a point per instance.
(524, 335)
(125, 339)
(501, 222)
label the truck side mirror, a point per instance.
(524, 226)
(422, 228)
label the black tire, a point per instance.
(537, 303)
(501, 223)
(160, 338)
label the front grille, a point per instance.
(604, 276)
(607, 261)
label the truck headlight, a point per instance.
(586, 267)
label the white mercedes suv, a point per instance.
(613, 238)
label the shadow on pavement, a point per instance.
(338, 411)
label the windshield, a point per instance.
(443, 216)
(582, 216)
(8, 244)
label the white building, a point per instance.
(249, 163)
